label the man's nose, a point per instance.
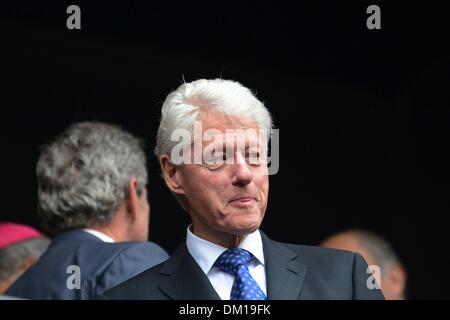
(242, 175)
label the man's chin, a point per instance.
(243, 230)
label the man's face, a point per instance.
(226, 198)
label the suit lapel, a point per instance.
(181, 278)
(284, 273)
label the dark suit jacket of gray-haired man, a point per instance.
(93, 197)
(102, 265)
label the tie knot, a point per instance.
(231, 260)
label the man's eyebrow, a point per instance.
(252, 143)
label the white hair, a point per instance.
(185, 105)
(84, 174)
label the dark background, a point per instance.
(363, 114)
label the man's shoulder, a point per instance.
(102, 265)
(322, 260)
(332, 273)
(316, 253)
(138, 255)
(104, 253)
(138, 248)
(133, 259)
(141, 286)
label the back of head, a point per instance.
(371, 246)
(376, 251)
(381, 251)
(83, 175)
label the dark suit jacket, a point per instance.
(292, 272)
(102, 266)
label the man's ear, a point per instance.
(397, 278)
(132, 201)
(171, 174)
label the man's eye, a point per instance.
(254, 154)
(215, 158)
(215, 161)
(254, 157)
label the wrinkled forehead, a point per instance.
(227, 129)
(223, 120)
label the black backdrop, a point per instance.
(363, 114)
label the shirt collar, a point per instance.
(206, 252)
(99, 235)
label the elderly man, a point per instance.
(92, 195)
(220, 177)
(377, 252)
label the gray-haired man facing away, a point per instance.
(92, 196)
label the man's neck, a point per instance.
(222, 239)
(104, 234)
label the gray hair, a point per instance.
(184, 106)
(83, 175)
(13, 256)
(382, 252)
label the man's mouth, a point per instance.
(243, 201)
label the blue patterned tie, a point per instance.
(235, 262)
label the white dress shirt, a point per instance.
(99, 235)
(206, 254)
